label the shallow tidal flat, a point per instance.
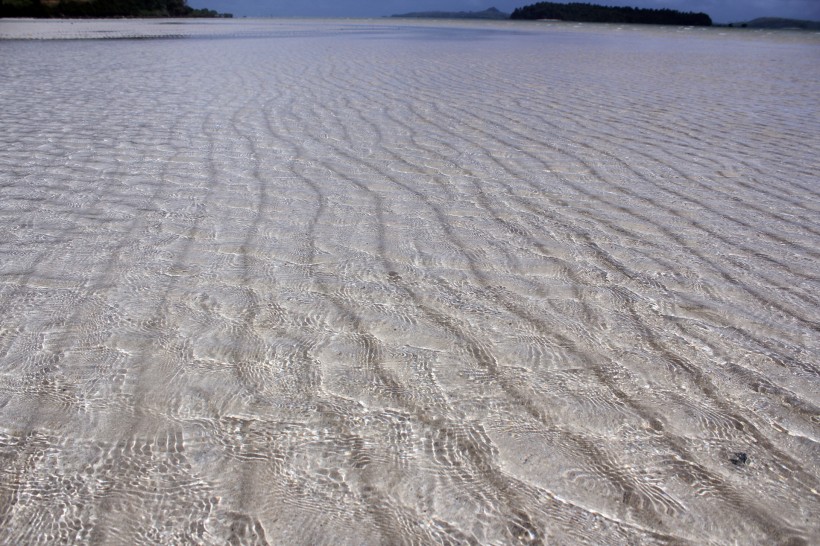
(380, 282)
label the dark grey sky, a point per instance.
(721, 11)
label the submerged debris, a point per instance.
(739, 459)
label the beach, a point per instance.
(394, 282)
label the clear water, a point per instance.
(373, 282)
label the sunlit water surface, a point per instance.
(380, 282)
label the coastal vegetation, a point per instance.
(592, 13)
(102, 8)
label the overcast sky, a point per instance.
(721, 11)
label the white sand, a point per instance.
(375, 282)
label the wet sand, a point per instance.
(380, 282)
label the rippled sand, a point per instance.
(381, 283)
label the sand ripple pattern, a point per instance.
(378, 283)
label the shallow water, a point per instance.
(380, 282)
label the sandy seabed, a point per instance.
(384, 282)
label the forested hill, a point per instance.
(591, 13)
(103, 8)
(780, 23)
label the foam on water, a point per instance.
(369, 282)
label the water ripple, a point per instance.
(364, 282)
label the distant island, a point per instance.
(102, 8)
(491, 13)
(591, 13)
(779, 23)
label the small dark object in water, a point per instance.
(739, 458)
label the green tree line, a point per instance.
(103, 8)
(591, 13)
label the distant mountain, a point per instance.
(591, 13)
(490, 13)
(779, 23)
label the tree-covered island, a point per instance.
(592, 13)
(102, 8)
